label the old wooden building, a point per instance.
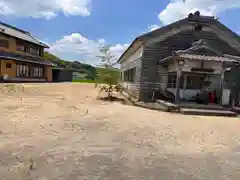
(22, 57)
(183, 57)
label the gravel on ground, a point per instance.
(61, 131)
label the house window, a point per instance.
(34, 51)
(121, 76)
(197, 28)
(21, 47)
(129, 75)
(194, 82)
(22, 70)
(8, 65)
(172, 80)
(4, 43)
(37, 72)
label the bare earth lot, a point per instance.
(61, 132)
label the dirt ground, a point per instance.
(61, 132)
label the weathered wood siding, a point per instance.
(133, 61)
(162, 75)
(155, 50)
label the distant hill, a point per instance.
(91, 71)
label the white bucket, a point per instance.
(5, 76)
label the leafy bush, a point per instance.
(118, 87)
(108, 76)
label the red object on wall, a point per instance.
(211, 97)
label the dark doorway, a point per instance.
(55, 75)
(62, 75)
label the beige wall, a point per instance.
(13, 46)
(48, 73)
(12, 43)
(11, 72)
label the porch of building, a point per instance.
(193, 83)
(21, 68)
(193, 76)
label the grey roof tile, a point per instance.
(208, 58)
(18, 33)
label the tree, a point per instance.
(108, 61)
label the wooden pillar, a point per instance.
(184, 84)
(180, 64)
(177, 97)
(221, 85)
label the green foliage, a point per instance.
(51, 57)
(108, 75)
(118, 87)
(105, 74)
(75, 65)
(84, 81)
(93, 74)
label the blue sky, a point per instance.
(75, 28)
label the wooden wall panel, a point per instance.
(158, 50)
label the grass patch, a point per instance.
(90, 81)
(84, 81)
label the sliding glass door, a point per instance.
(29, 70)
(23, 70)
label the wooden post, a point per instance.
(221, 85)
(179, 74)
(177, 97)
(184, 85)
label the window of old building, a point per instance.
(22, 70)
(129, 75)
(34, 51)
(21, 47)
(37, 72)
(194, 82)
(4, 43)
(172, 80)
(8, 65)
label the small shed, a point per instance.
(60, 74)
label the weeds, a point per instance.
(11, 88)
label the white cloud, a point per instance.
(153, 27)
(178, 9)
(77, 47)
(45, 8)
(118, 49)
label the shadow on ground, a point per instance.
(115, 99)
